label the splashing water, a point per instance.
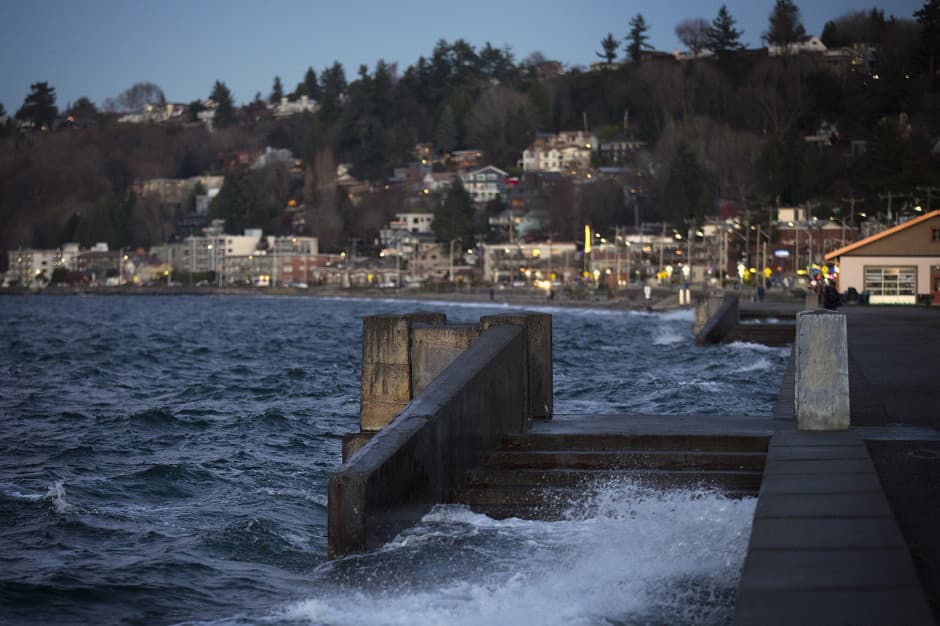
(56, 495)
(624, 555)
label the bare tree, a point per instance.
(136, 98)
(501, 123)
(777, 89)
(693, 33)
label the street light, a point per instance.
(763, 262)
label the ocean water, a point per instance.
(164, 460)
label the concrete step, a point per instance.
(556, 495)
(636, 442)
(548, 510)
(766, 334)
(701, 461)
(496, 478)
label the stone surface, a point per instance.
(539, 380)
(386, 383)
(821, 393)
(433, 348)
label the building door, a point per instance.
(935, 283)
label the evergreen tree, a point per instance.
(928, 51)
(225, 109)
(6, 125)
(277, 91)
(333, 88)
(454, 217)
(688, 191)
(609, 46)
(636, 40)
(785, 26)
(723, 38)
(106, 220)
(39, 106)
(310, 85)
(445, 133)
(307, 87)
(240, 202)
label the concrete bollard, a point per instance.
(822, 371)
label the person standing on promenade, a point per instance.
(830, 297)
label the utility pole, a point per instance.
(617, 248)
(929, 191)
(890, 196)
(852, 199)
(662, 245)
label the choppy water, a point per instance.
(164, 460)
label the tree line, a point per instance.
(727, 124)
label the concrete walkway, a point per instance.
(846, 528)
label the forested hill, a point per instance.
(727, 123)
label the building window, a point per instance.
(891, 280)
(935, 234)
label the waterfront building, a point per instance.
(896, 266)
(521, 262)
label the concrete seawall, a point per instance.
(423, 455)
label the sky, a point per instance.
(99, 48)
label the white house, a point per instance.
(556, 153)
(485, 184)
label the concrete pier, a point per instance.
(845, 529)
(842, 533)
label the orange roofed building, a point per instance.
(894, 266)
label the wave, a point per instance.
(56, 497)
(677, 560)
(762, 364)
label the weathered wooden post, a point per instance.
(821, 393)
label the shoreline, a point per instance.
(662, 299)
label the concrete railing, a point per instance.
(715, 317)
(456, 416)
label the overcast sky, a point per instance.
(98, 48)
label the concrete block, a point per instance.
(828, 569)
(819, 467)
(386, 384)
(723, 316)
(433, 348)
(823, 505)
(817, 453)
(798, 484)
(806, 607)
(794, 533)
(538, 328)
(821, 387)
(353, 442)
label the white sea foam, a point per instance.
(761, 364)
(678, 315)
(15, 494)
(757, 347)
(56, 495)
(623, 554)
(668, 335)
